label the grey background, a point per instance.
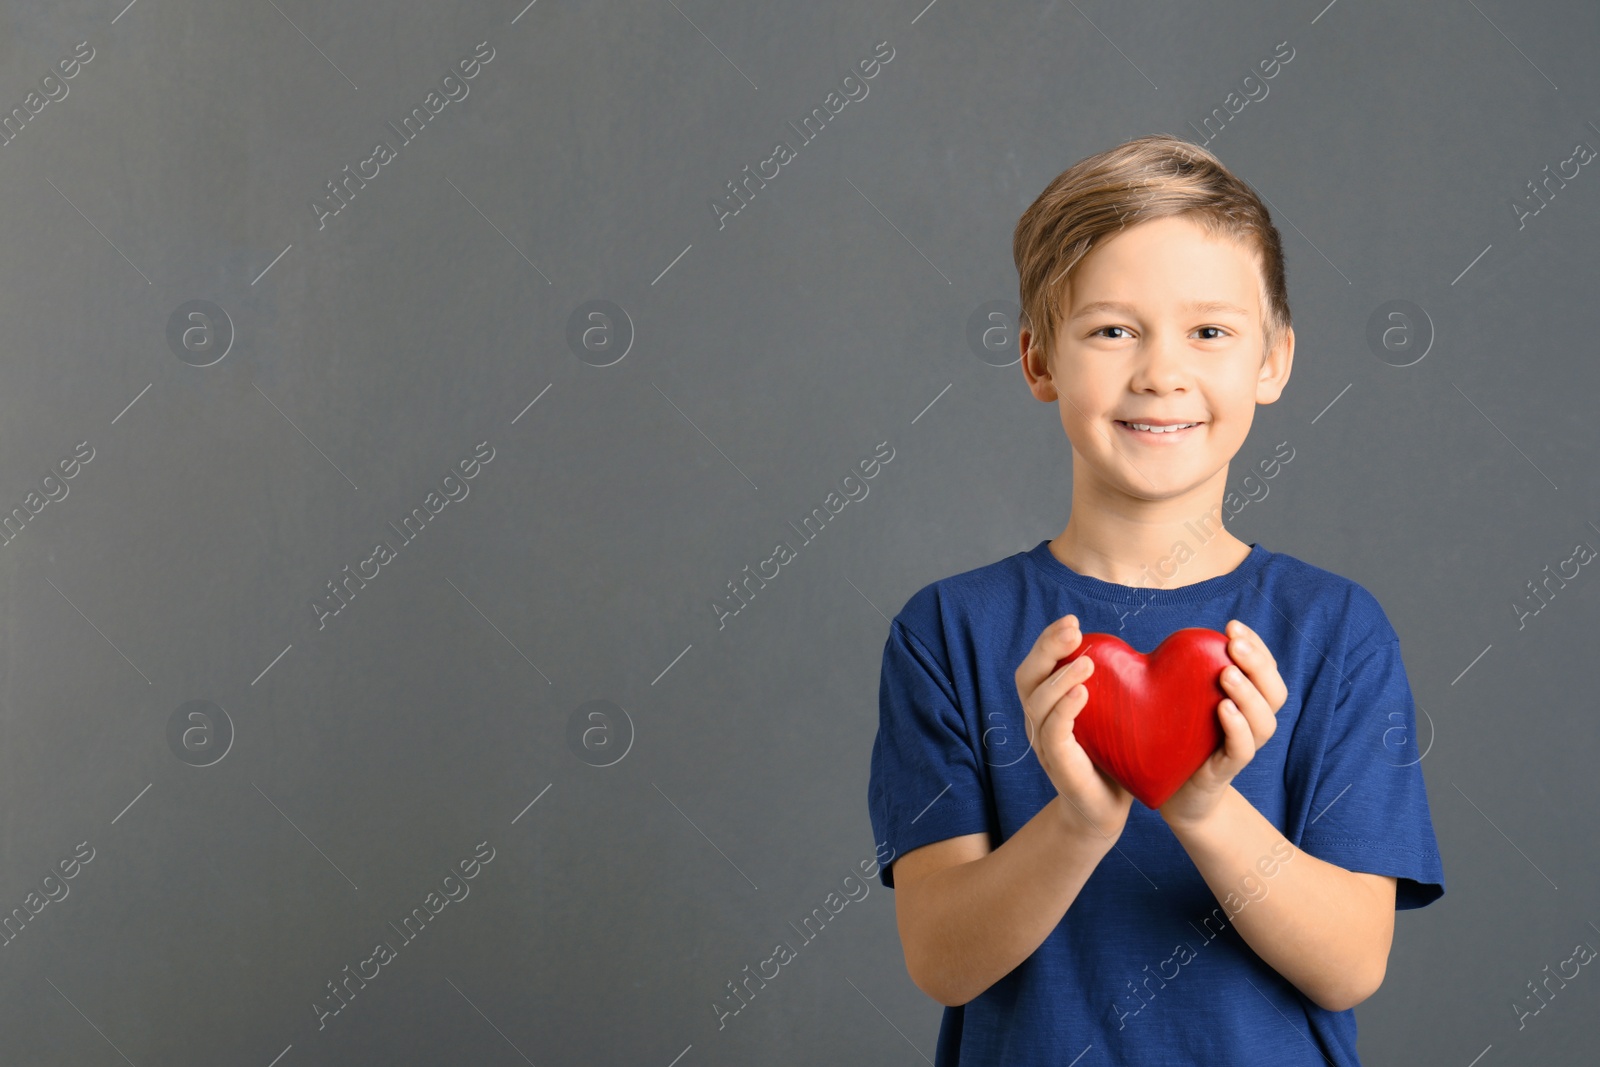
(370, 756)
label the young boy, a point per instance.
(1058, 919)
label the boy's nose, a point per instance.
(1160, 366)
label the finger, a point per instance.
(1057, 641)
(1240, 646)
(1248, 699)
(1252, 657)
(1059, 717)
(1256, 639)
(1063, 694)
(1246, 644)
(1238, 684)
(1263, 673)
(1041, 701)
(1055, 724)
(1238, 742)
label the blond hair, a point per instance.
(1152, 177)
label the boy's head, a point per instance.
(1153, 291)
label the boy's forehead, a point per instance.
(1218, 274)
(1172, 242)
(1201, 306)
(1206, 298)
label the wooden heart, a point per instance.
(1151, 721)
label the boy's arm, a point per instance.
(1326, 929)
(968, 915)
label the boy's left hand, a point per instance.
(1249, 718)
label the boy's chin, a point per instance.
(1158, 479)
(1163, 489)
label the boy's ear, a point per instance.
(1275, 366)
(1035, 366)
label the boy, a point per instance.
(1058, 920)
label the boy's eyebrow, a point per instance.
(1128, 309)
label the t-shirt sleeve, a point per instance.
(1369, 809)
(927, 782)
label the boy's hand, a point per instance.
(1249, 719)
(1096, 805)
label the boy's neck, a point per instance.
(1150, 555)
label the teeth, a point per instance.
(1160, 429)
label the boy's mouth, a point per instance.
(1158, 431)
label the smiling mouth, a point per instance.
(1151, 431)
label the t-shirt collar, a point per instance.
(1199, 592)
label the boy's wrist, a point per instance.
(1081, 830)
(1182, 827)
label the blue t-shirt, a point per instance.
(1146, 968)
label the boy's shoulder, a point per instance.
(995, 584)
(1306, 590)
(1300, 591)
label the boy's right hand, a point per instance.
(1094, 804)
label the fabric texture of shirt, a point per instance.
(1146, 969)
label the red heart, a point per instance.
(1151, 721)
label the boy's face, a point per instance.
(1160, 357)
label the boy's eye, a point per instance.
(1103, 329)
